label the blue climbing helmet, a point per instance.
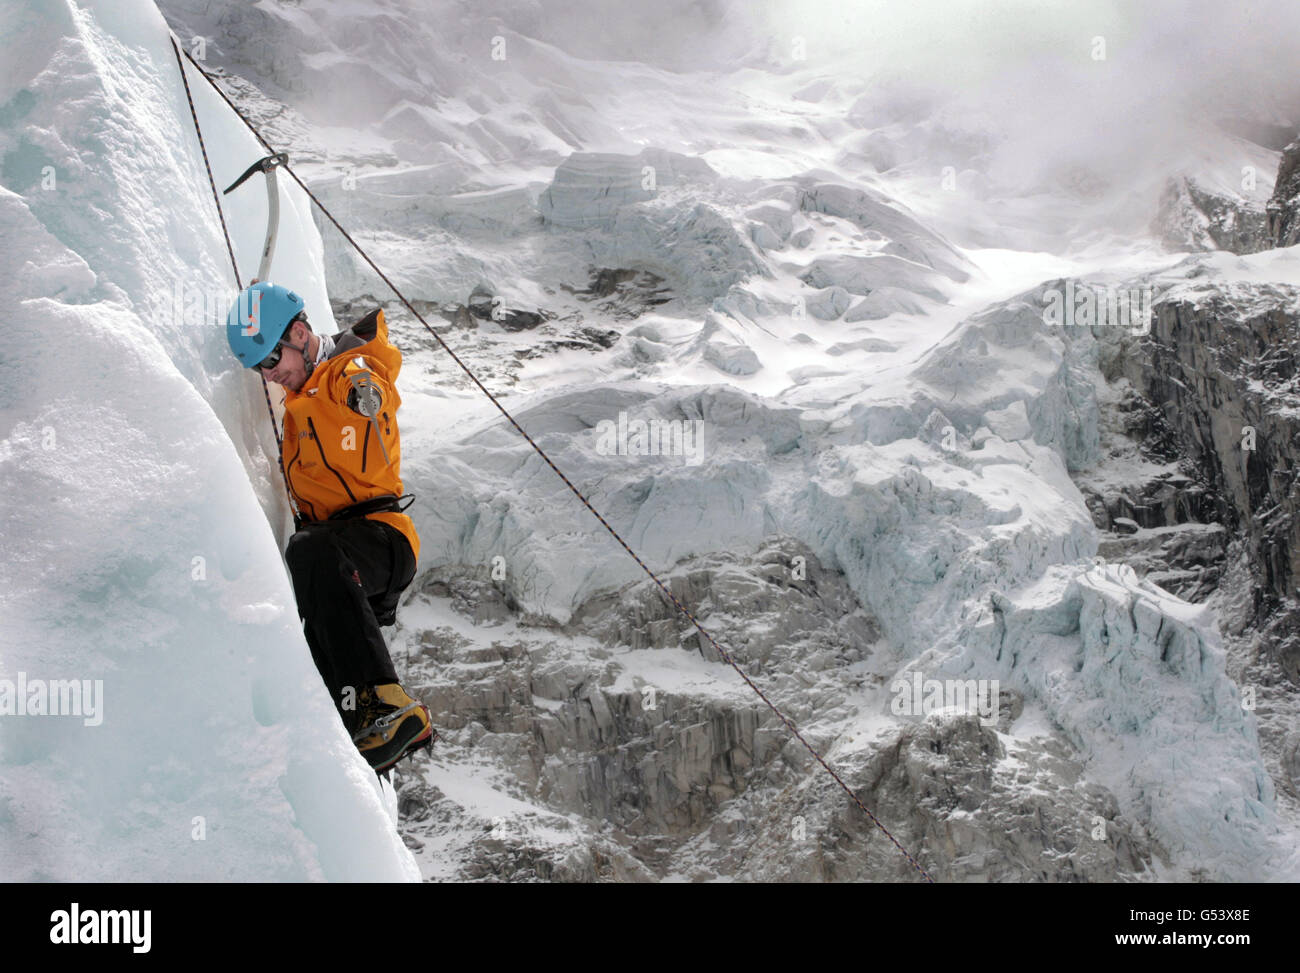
(258, 320)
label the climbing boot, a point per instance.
(392, 725)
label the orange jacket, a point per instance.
(341, 444)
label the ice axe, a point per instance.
(268, 166)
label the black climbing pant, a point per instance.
(347, 577)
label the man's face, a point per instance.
(291, 370)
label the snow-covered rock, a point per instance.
(1193, 217)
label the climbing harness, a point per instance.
(722, 653)
(386, 503)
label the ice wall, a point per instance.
(137, 468)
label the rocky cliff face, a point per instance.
(1284, 206)
(1213, 388)
(1193, 217)
(1195, 482)
(621, 753)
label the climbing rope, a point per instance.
(722, 653)
(266, 390)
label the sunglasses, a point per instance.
(273, 359)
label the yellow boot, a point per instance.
(392, 724)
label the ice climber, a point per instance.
(353, 551)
